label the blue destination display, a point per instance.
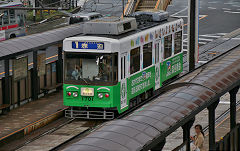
(88, 45)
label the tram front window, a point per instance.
(91, 68)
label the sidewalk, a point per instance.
(33, 115)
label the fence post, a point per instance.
(186, 133)
(233, 94)
(60, 65)
(237, 137)
(211, 122)
(6, 87)
(34, 77)
(159, 146)
(72, 3)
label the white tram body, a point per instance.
(147, 56)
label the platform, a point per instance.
(26, 118)
(222, 128)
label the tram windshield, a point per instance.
(91, 68)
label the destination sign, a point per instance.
(88, 45)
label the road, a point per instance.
(217, 17)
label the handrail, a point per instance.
(132, 5)
(129, 7)
(167, 2)
(136, 5)
(157, 5)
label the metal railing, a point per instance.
(230, 141)
(129, 9)
(132, 5)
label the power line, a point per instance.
(111, 9)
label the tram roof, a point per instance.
(139, 29)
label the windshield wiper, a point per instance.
(85, 81)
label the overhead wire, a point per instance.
(111, 9)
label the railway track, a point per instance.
(222, 117)
(59, 135)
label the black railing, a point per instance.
(230, 141)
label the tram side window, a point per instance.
(0, 21)
(12, 16)
(156, 53)
(135, 60)
(1, 17)
(147, 55)
(5, 17)
(25, 18)
(115, 67)
(178, 42)
(20, 20)
(122, 68)
(124, 73)
(167, 46)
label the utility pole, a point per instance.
(123, 7)
(34, 11)
(193, 26)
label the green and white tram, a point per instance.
(116, 64)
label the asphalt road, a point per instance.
(217, 17)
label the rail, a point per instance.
(230, 141)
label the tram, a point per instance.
(12, 22)
(120, 62)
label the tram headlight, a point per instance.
(100, 95)
(75, 94)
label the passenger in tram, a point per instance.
(198, 139)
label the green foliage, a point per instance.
(52, 14)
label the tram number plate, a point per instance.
(87, 98)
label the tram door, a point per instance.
(157, 64)
(123, 91)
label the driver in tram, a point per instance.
(76, 73)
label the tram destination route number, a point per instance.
(88, 45)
